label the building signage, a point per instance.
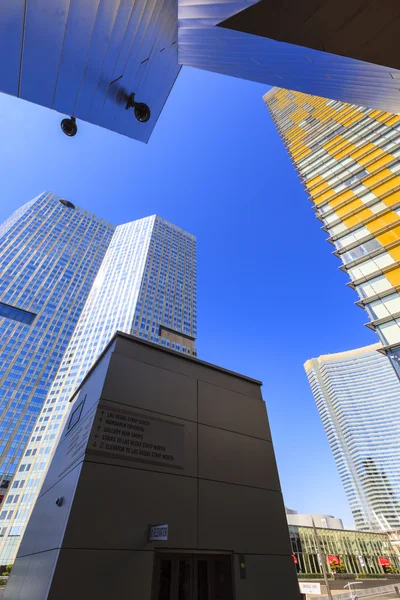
(158, 533)
(362, 563)
(75, 441)
(384, 562)
(128, 435)
(310, 588)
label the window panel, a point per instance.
(374, 286)
(379, 309)
(16, 314)
(390, 332)
(360, 251)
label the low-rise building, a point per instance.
(359, 552)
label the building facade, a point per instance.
(309, 520)
(394, 537)
(175, 441)
(359, 552)
(146, 286)
(348, 159)
(358, 398)
(50, 252)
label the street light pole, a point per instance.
(323, 560)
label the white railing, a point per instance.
(364, 593)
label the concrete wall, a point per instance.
(218, 491)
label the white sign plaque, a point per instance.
(310, 588)
(75, 441)
(158, 533)
(122, 433)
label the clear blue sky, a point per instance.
(270, 292)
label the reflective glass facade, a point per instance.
(359, 552)
(348, 158)
(49, 256)
(146, 286)
(358, 398)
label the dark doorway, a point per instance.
(193, 577)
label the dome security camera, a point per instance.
(141, 110)
(69, 127)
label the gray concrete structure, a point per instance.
(154, 437)
(308, 520)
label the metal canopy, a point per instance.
(207, 42)
(85, 57)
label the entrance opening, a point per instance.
(193, 577)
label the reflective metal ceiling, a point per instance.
(204, 45)
(363, 29)
(84, 57)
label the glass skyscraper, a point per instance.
(50, 252)
(146, 286)
(348, 159)
(358, 398)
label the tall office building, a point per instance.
(146, 286)
(358, 398)
(348, 159)
(50, 252)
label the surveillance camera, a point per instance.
(69, 126)
(140, 110)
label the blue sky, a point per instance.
(269, 289)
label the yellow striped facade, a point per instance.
(348, 158)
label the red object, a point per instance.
(296, 562)
(333, 560)
(384, 562)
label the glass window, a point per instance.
(337, 229)
(384, 307)
(394, 356)
(370, 266)
(374, 286)
(16, 314)
(346, 240)
(390, 332)
(360, 251)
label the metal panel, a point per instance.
(154, 56)
(45, 26)
(81, 21)
(204, 45)
(133, 63)
(108, 69)
(74, 50)
(357, 29)
(137, 35)
(105, 21)
(11, 28)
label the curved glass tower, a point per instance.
(348, 158)
(358, 398)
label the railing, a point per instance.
(364, 593)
